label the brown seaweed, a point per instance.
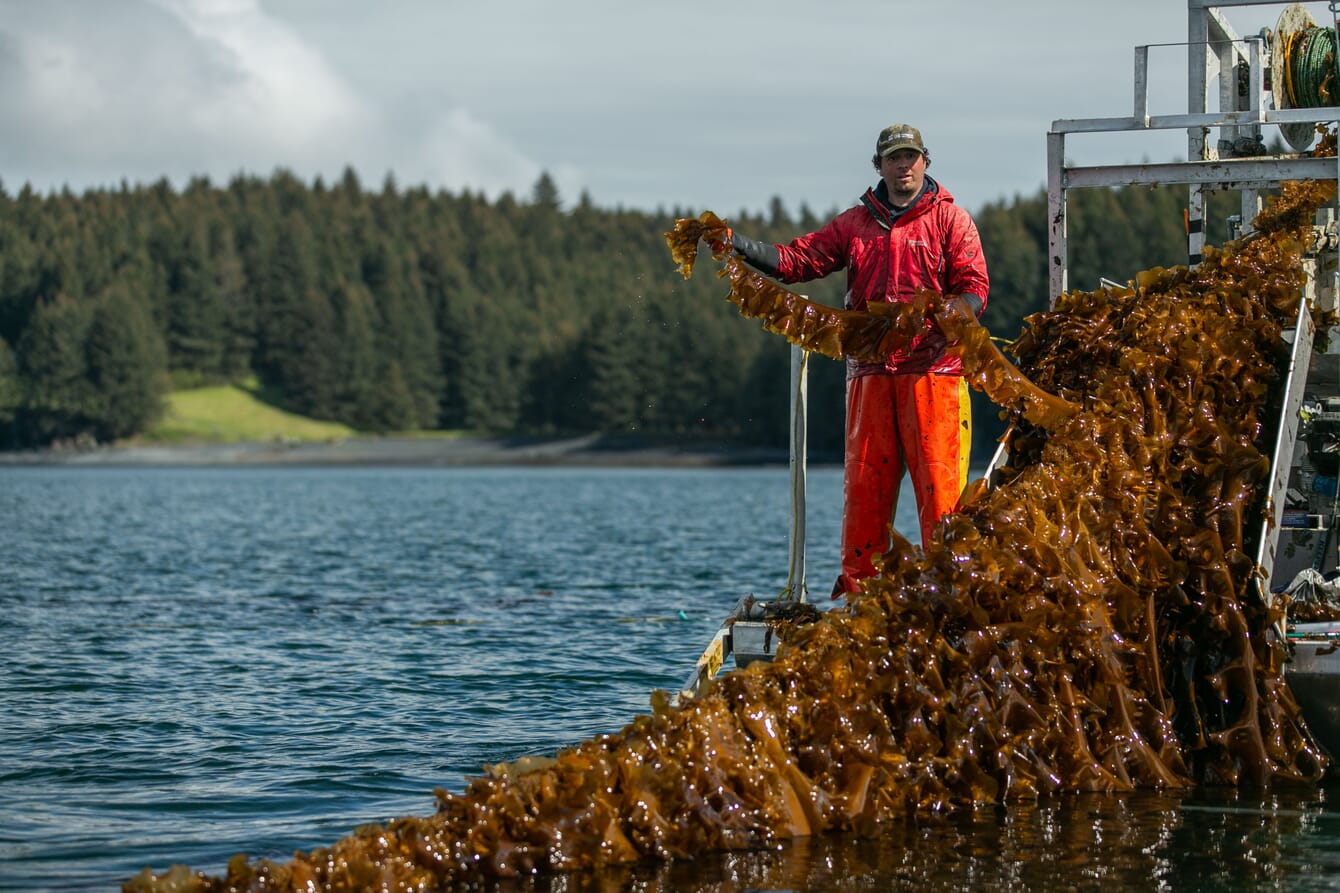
(871, 334)
(1092, 623)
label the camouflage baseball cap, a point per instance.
(899, 136)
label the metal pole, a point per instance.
(795, 580)
(1058, 272)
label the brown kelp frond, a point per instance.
(870, 334)
(1091, 624)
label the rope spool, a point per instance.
(1310, 68)
(1303, 70)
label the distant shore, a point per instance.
(590, 450)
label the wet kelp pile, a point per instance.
(1089, 624)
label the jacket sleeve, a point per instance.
(815, 255)
(759, 255)
(966, 271)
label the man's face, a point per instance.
(903, 171)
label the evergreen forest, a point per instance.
(401, 309)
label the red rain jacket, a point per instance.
(931, 244)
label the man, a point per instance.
(910, 412)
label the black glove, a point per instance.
(760, 255)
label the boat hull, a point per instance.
(1313, 675)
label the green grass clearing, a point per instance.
(233, 414)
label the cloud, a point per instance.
(167, 87)
(461, 152)
(142, 89)
(258, 87)
(702, 105)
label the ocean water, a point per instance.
(200, 662)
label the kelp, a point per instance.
(870, 334)
(1093, 622)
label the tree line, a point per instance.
(402, 309)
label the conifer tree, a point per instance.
(58, 394)
(407, 308)
(11, 393)
(126, 364)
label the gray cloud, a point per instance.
(692, 105)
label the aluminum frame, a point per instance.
(1214, 56)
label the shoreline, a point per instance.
(587, 451)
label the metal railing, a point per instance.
(1236, 68)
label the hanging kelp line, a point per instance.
(871, 334)
(1090, 624)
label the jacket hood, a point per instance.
(876, 201)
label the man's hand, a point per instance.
(759, 255)
(953, 314)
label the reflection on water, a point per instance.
(1219, 840)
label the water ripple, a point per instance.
(201, 662)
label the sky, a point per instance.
(657, 107)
